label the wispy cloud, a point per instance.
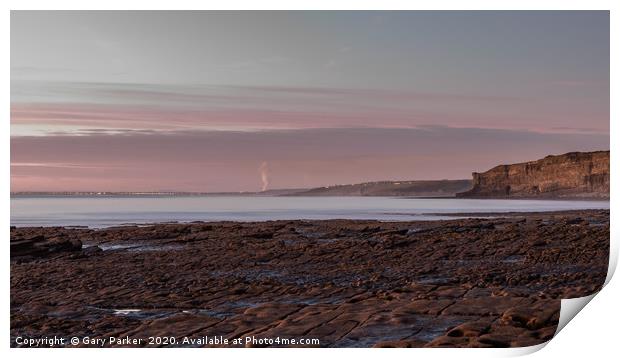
(200, 96)
(220, 161)
(82, 107)
(60, 165)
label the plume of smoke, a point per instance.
(264, 175)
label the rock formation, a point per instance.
(347, 283)
(570, 175)
(37, 246)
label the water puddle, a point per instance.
(437, 326)
(432, 280)
(513, 259)
(137, 313)
(210, 313)
(221, 311)
(150, 248)
(126, 312)
(110, 247)
(229, 309)
(135, 247)
(326, 241)
(310, 234)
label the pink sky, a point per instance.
(229, 101)
(231, 161)
(157, 140)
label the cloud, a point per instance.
(80, 119)
(201, 96)
(42, 108)
(58, 165)
(222, 161)
(378, 94)
(80, 108)
(197, 146)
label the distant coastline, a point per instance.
(575, 175)
(401, 188)
(275, 192)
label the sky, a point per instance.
(245, 101)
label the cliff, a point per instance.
(392, 188)
(570, 175)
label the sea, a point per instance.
(106, 211)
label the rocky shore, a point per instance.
(493, 282)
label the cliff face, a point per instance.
(576, 174)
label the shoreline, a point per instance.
(567, 198)
(448, 217)
(349, 283)
(258, 195)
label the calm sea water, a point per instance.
(110, 211)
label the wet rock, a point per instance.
(349, 283)
(38, 246)
(448, 342)
(533, 316)
(483, 306)
(406, 343)
(470, 329)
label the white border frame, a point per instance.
(593, 330)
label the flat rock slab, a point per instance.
(347, 283)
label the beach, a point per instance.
(477, 282)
